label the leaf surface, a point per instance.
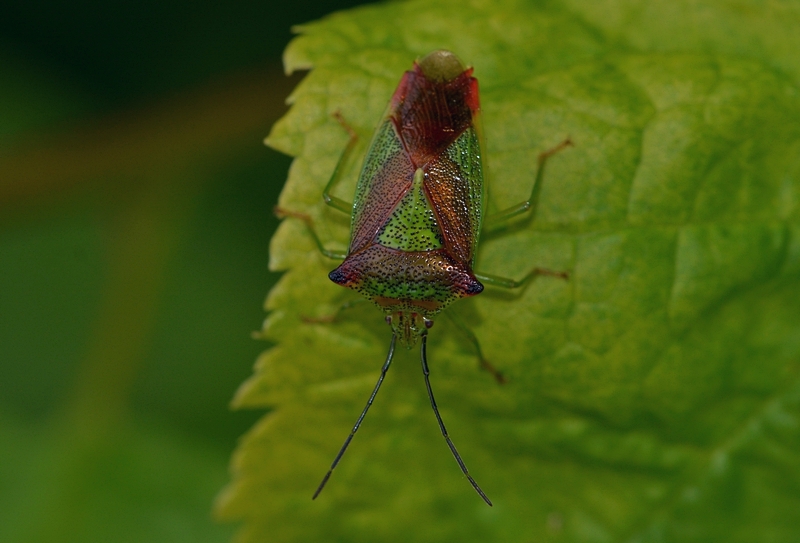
(655, 396)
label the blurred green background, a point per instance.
(136, 200)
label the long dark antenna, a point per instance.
(347, 441)
(457, 456)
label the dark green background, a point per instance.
(132, 264)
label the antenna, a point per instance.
(426, 371)
(347, 441)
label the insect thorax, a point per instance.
(424, 282)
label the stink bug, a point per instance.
(418, 212)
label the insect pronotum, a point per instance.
(417, 214)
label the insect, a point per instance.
(417, 215)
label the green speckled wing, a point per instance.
(455, 186)
(385, 177)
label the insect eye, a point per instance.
(428, 323)
(388, 319)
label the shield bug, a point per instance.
(417, 215)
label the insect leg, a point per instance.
(347, 441)
(283, 213)
(484, 363)
(426, 372)
(505, 282)
(327, 319)
(529, 205)
(334, 201)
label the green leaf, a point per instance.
(653, 397)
